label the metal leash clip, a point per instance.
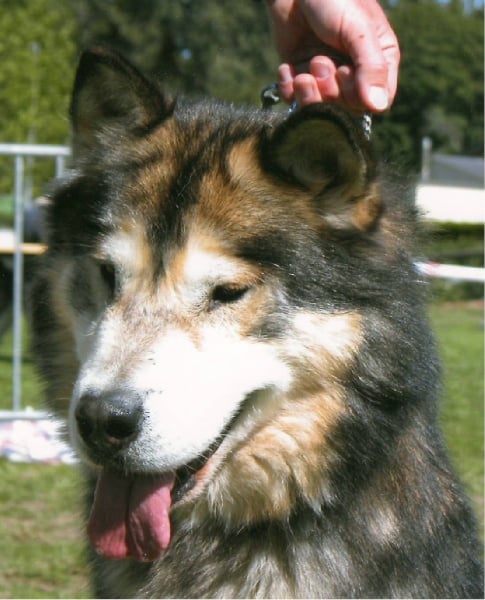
(367, 125)
(270, 96)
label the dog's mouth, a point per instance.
(130, 516)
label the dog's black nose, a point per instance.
(108, 420)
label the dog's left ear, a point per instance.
(322, 150)
(111, 98)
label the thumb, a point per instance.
(373, 88)
(367, 37)
(375, 55)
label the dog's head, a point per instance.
(206, 262)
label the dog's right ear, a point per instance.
(111, 98)
(322, 151)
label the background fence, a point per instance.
(16, 247)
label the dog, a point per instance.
(229, 302)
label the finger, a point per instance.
(306, 90)
(393, 58)
(285, 82)
(348, 89)
(324, 71)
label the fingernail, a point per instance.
(320, 70)
(379, 98)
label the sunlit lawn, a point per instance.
(41, 542)
(461, 336)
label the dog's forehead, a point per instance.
(185, 164)
(217, 186)
(202, 257)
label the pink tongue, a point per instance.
(129, 517)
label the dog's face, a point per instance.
(194, 263)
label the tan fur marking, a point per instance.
(275, 199)
(323, 346)
(261, 478)
(366, 211)
(317, 207)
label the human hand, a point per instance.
(313, 36)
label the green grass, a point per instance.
(41, 539)
(41, 542)
(460, 334)
(31, 387)
(6, 210)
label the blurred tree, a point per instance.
(147, 31)
(37, 51)
(217, 47)
(231, 50)
(441, 80)
(37, 54)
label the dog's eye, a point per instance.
(108, 273)
(226, 294)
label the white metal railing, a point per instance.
(452, 272)
(19, 154)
